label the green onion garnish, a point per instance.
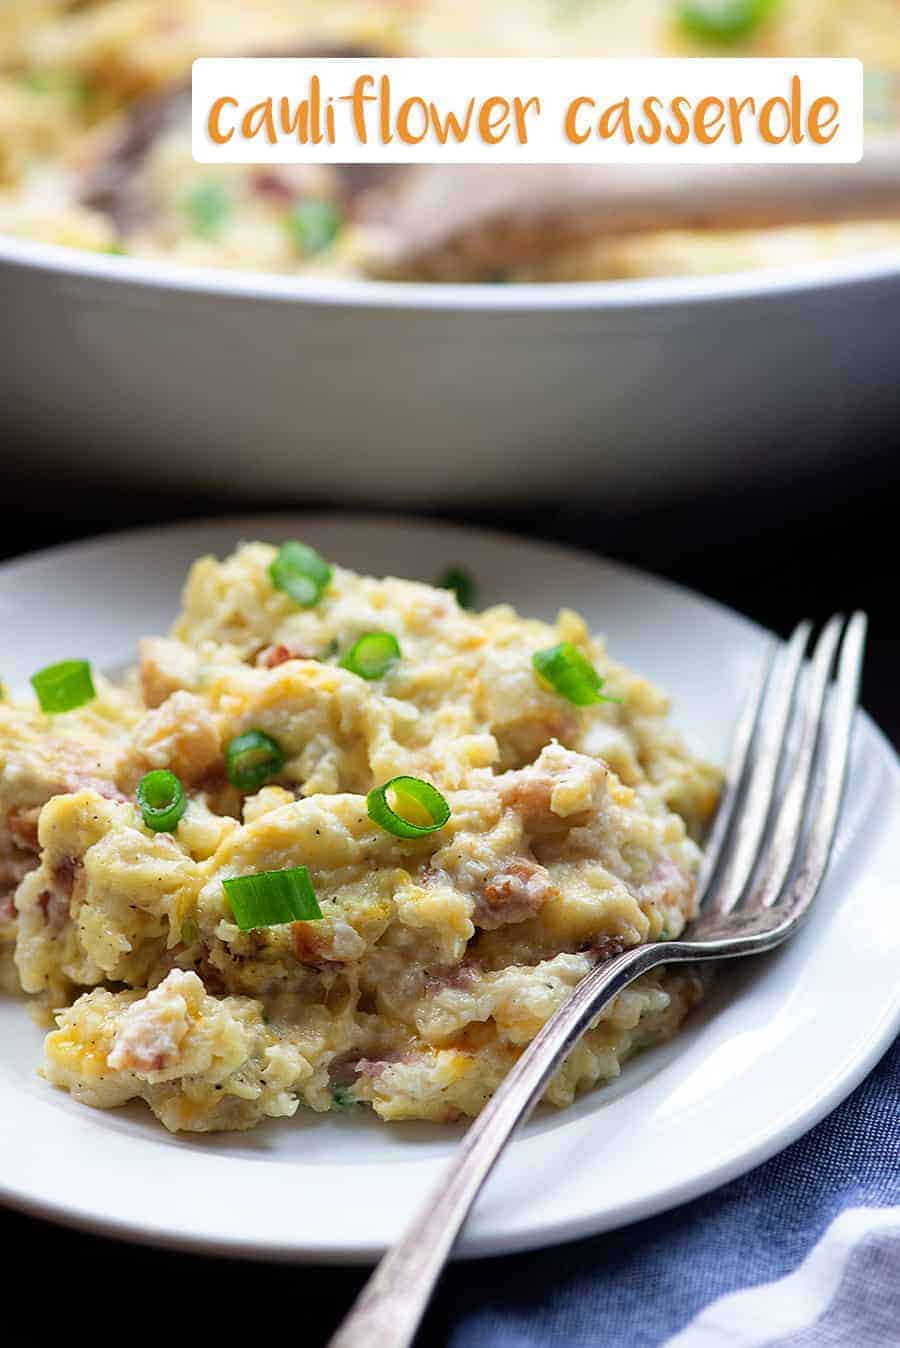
(57, 82)
(161, 797)
(271, 898)
(207, 207)
(341, 1097)
(251, 759)
(570, 673)
(64, 686)
(313, 226)
(723, 20)
(300, 572)
(373, 655)
(413, 797)
(462, 585)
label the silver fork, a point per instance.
(769, 847)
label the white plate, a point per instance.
(782, 1041)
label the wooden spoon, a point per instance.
(474, 219)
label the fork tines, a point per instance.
(786, 772)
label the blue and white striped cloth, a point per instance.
(803, 1252)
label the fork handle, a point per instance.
(390, 1306)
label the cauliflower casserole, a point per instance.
(339, 840)
(95, 143)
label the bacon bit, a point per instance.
(8, 906)
(273, 185)
(605, 948)
(372, 1068)
(271, 656)
(23, 825)
(214, 781)
(530, 791)
(64, 874)
(457, 978)
(312, 949)
(514, 894)
(82, 781)
(476, 1035)
(55, 910)
(307, 943)
(342, 1071)
(151, 1032)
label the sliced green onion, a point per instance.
(271, 898)
(300, 572)
(373, 655)
(723, 20)
(341, 1096)
(462, 585)
(570, 673)
(251, 759)
(58, 82)
(412, 797)
(161, 797)
(64, 686)
(207, 207)
(313, 226)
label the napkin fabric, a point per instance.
(803, 1252)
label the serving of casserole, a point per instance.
(339, 840)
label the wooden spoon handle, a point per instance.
(517, 214)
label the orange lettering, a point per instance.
(736, 111)
(796, 110)
(359, 98)
(707, 115)
(817, 125)
(451, 125)
(522, 110)
(494, 114)
(651, 136)
(404, 113)
(572, 133)
(259, 119)
(296, 119)
(615, 118)
(766, 114)
(214, 131)
(680, 107)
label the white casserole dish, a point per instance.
(292, 388)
